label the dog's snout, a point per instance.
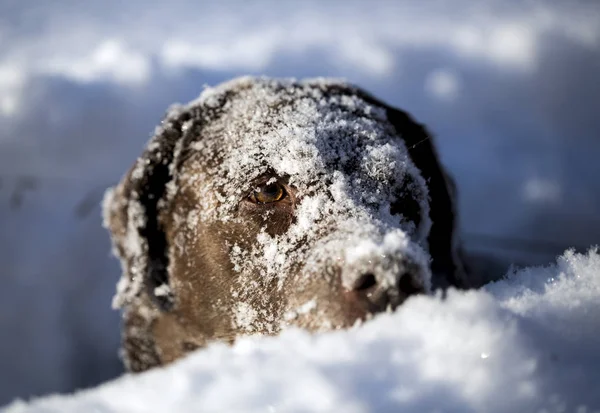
(376, 296)
(407, 284)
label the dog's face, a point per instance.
(267, 204)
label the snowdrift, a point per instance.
(526, 343)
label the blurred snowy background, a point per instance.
(509, 88)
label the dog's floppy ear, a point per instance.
(131, 214)
(131, 210)
(444, 245)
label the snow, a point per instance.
(526, 343)
(75, 136)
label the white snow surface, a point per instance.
(527, 343)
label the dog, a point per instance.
(270, 203)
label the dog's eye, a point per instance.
(268, 193)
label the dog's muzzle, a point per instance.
(379, 271)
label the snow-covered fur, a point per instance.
(272, 203)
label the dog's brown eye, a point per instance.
(267, 194)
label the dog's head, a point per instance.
(272, 203)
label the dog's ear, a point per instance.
(444, 245)
(132, 209)
(131, 214)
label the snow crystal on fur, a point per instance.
(294, 129)
(339, 152)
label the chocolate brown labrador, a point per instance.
(271, 203)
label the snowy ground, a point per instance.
(509, 88)
(526, 343)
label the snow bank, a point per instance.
(527, 343)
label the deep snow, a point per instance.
(526, 343)
(82, 83)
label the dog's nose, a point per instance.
(365, 282)
(377, 297)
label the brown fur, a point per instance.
(206, 294)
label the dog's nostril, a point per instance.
(365, 282)
(408, 285)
